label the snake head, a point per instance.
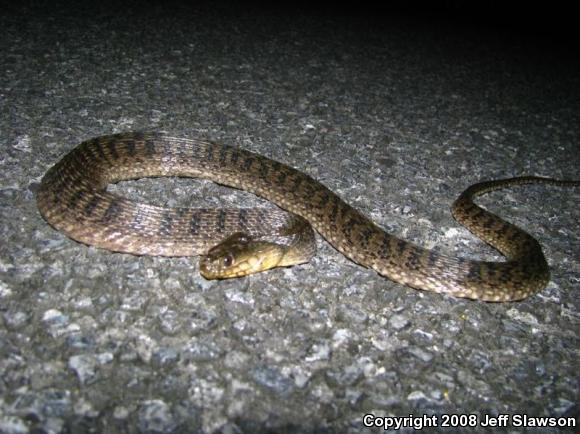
(239, 255)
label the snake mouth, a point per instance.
(239, 255)
(231, 261)
(211, 268)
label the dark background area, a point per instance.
(548, 27)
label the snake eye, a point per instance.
(228, 260)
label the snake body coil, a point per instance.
(72, 197)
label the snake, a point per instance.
(73, 198)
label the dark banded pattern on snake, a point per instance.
(72, 197)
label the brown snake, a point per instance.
(72, 197)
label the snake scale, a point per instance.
(73, 198)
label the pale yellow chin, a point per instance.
(250, 265)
